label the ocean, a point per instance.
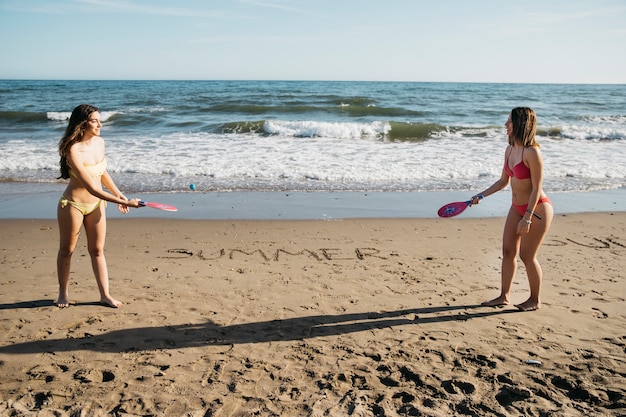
(222, 136)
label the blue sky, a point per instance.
(558, 41)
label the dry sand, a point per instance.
(361, 317)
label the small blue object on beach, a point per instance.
(192, 187)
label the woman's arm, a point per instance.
(534, 161)
(108, 182)
(110, 185)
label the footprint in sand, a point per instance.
(574, 390)
(453, 386)
(599, 314)
(404, 397)
(46, 372)
(509, 394)
(93, 375)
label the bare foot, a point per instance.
(529, 305)
(500, 301)
(111, 302)
(62, 301)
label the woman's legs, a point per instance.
(529, 248)
(510, 246)
(96, 228)
(70, 221)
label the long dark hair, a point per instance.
(74, 134)
(524, 121)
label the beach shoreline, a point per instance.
(38, 201)
(375, 316)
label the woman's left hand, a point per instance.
(122, 207)
(523, 227)
(475, 199)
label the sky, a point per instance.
(531, 41)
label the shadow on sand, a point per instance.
(179, 336)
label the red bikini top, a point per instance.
(520, 171)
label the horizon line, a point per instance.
(311, 80)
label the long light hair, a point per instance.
(73, 134)
(524, 123)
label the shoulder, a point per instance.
(533, 151)
(76, 149)
(532, 154)
(98, 140)
(96, 144)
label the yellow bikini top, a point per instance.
(94, 170)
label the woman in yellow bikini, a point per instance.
(531, 210)
(84, 200)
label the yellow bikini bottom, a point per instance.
(84, 208)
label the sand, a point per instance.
(360, 317)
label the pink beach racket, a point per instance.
(158, 206)
(454, 209)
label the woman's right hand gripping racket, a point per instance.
(455, 208)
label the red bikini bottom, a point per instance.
(521, 209)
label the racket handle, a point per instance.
(533, 213)
(142, 203)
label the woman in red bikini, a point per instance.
(84, 200)
(531, 211)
